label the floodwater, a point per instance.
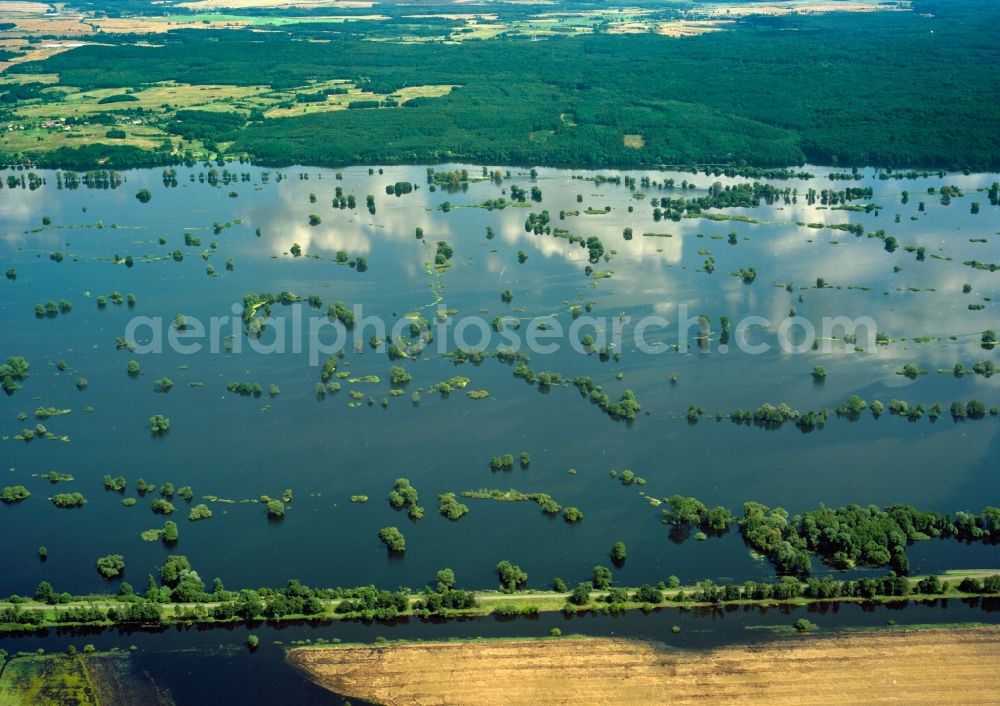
(239, 448)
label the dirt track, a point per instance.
(905, 666)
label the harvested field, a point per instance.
(23, 8)
(44, 52)
(904, 666)
(635, 142)
(803, 7)
(691, 28)
(243, 4)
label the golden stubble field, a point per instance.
(902, 666)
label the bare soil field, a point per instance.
(691, 28)
(804, 7)
(9, 7)
(904, 666)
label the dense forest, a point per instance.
(894, 89)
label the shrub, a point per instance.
(803, 625)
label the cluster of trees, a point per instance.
(162, 506)
(856, 536)
(372, 604)
(572, 514)
(403, 495)
(789, 588)
(627, 406)
(340, 312)
(827, 588)
(628, 477)
(56, 477)
(393, 539)
(443, 253)
(179, 583)
(512, 577)
(450, 507)
(442, 601)
(111, 566)
(544, 500)
(536, 223)
(212, 126)
(12, 373)
(14, 494)
(771, 416)
(169, 533)
(51, 309)
(163, 384)
(545, 379)
(774, 416)
(399, 188)
(68, 500)
(246, 388)
(275, 507)
(504, 462)
(786, 588)
(252, 303)
(116, 484)
(199, 512)
(682, 514)
(398, 375)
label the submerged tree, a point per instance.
(393, 539)
(111, 565)
(512, 577)
(159, 424)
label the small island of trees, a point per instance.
(12, 373)
(451, 508)
(69, 500)
(14, 494)
(199, 512)
(158, 424)
(111, 566)
(403, 495)
(393, 539)
(572, 515)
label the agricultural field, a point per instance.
(46, 680)
(468, 21)
(66, 116)
(870, 668)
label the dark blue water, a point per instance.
(241, 448)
